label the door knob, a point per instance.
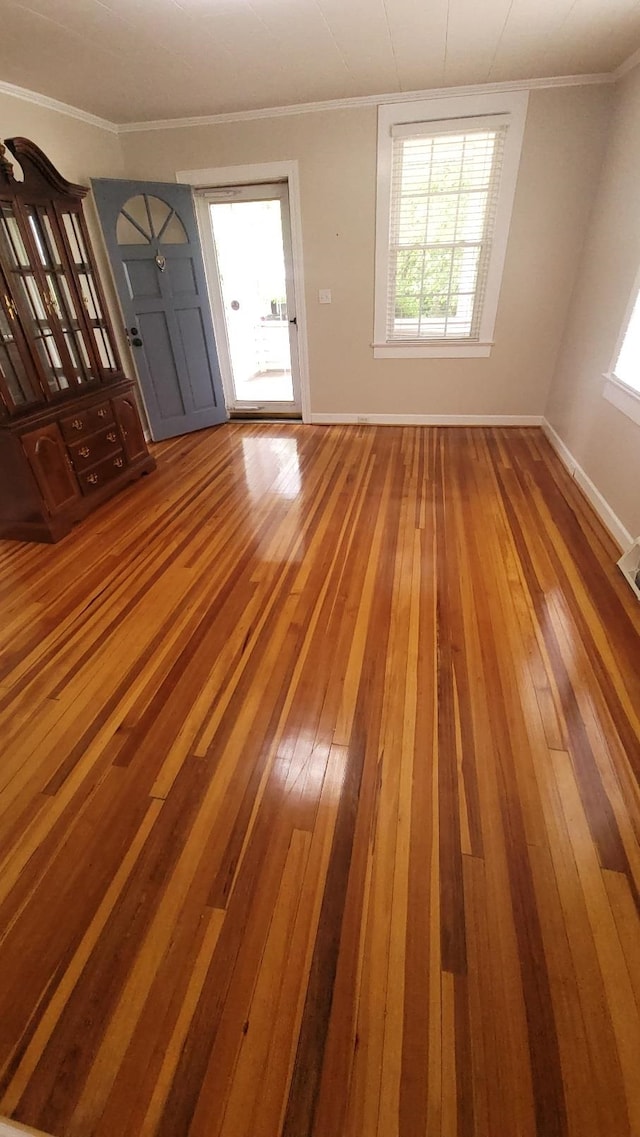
(235, 304)
(136, 341)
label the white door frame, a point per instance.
(256, 191)
(247, 175)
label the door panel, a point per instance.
(142, 279)
(128, 420)
(163, 369)
(192, 336)
(49, 461)
(152, 239)
(181, 279)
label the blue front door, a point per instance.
(152, 240)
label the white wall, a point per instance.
(563, 146)
(602, 439)
(80, 150)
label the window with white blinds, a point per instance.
(447, 173)
(444, 194)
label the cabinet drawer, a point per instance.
(86, 421)
(96, 447)
(92, 480)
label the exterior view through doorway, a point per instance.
(248, 232)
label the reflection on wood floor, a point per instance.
(319, 799)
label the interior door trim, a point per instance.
(269, 172)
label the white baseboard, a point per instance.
(606, 514)
(612, 522)
(15, 1129)
(321, 418)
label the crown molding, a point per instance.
(627, 65)
(44, 101)
(48, 103)
(366, 101)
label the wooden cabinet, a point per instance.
(128, 420)
(70, 432)
(49, 461)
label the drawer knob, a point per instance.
(102, 413)
(111, 437)
(77, 424)
(118, 462)
(92, 479)
(84, 451)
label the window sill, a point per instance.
(431, 350)
(622, 397)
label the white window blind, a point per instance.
(627, 367)
(445, 182)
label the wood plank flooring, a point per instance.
(319, 807)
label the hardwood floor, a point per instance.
(319, 808)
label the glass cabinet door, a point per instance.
(59, 294)
(18, 388)
(53, 290)
(73, 227)
(34, 307)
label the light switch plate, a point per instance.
(324, 295)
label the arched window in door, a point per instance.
(148, 220)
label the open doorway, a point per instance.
(249, 231)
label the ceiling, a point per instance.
(134, 60)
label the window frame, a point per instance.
(634, 299)
(616, 391)
(446, 111)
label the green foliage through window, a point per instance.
(424, 284)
